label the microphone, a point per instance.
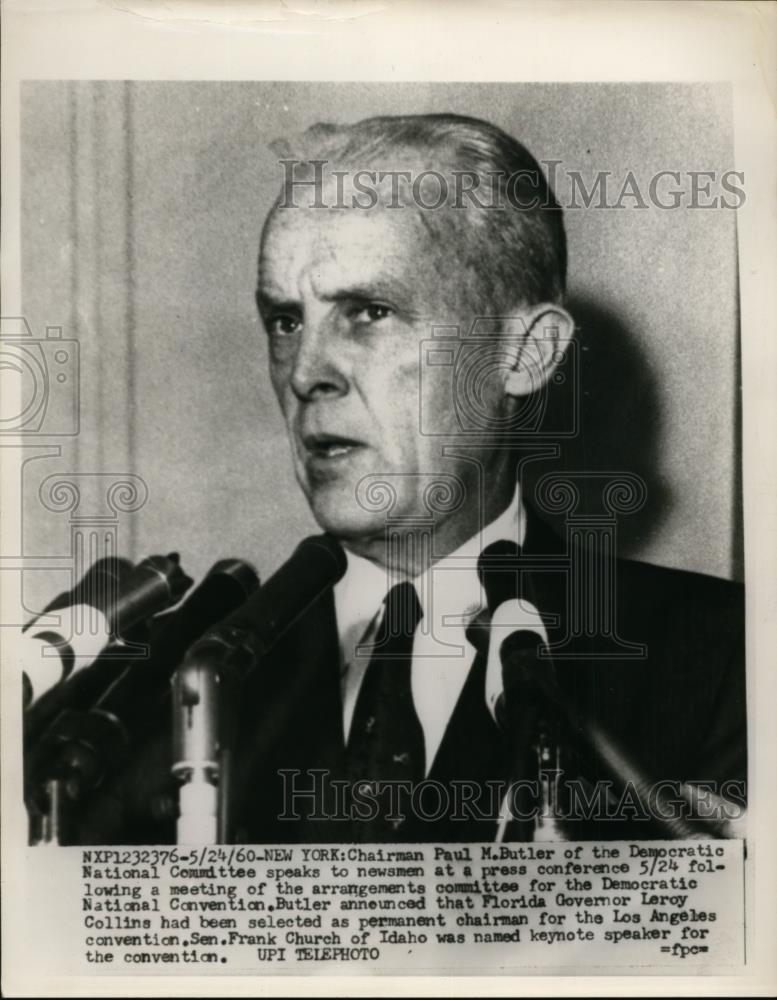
(155, 584)
(529, 705)
(317, 564)
(95, 588)
(119, 600)
(130, 697)
(206, 683)
(517, 633)
(517, 636)
(83, 746)
(513, 698)
(506, 690)
(91, 594)
(597, 743)
(499, 573)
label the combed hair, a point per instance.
(516, 245)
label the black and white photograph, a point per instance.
(381, 571)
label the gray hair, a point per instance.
(515, 243)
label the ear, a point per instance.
(536, 342)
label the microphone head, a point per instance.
(225, 587)
(525, 669)
(143, 687)
(325, 557)
(156, 583)
(516, 635)
(109, 567)
(96, 587)
(498, 572)
(316, 565)
(164, 575)
(522, 643)
(239, 571)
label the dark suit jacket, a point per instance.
(678, 709)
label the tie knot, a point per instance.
(403, 612)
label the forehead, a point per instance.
(299, 237)
(388, 253)
(405, 244)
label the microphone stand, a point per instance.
(549, 767)
(205, 690)
(207, 684)
(559, 720)
(70, 757)
(65, 767)
(532, 731)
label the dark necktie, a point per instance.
(386, 741)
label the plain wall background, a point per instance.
(142, 207)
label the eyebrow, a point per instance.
(266, 300)
(358, 292)
(367, 292)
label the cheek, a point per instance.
(437, 402)
(277, 381)
(398, 402)
(282, 389)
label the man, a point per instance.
(411, 287)
(387, 233)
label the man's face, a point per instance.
(347, 297)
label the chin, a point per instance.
(341, 516)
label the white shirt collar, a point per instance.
(451, 595)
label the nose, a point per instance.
(318, 370)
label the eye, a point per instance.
(370, 312)
(282, 325)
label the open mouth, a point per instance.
(329, 445)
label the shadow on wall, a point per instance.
(619, 417)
